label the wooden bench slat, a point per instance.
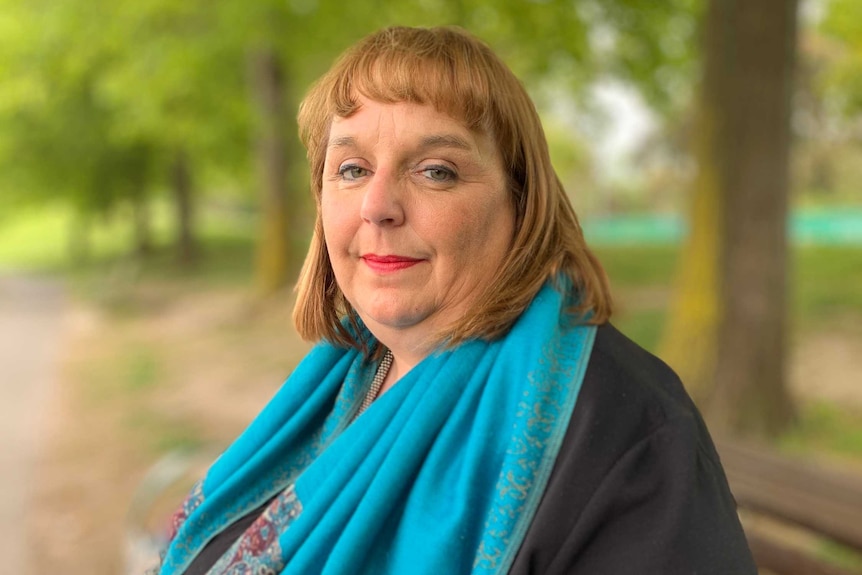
(780, 559)
(821, 499)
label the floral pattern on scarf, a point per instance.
(191, 502)
(257, 550)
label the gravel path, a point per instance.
(31, 312)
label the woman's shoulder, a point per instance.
(633, 402)
(629, 392)
(628, 396)
(622, 372)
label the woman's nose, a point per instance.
(382, 203)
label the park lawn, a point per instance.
(35, 238)
(825, 285)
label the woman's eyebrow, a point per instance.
(342, 142)
(426, 143)
(445, 141)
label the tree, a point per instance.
(727, 328)
(277, 254)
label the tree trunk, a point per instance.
(689, 342)
(273, 258)
(743, 156)
(758, 42)
(184, 206)
(142, 224)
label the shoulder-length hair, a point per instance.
(461, 76)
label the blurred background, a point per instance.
(154, 212)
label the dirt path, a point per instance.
(30, 329)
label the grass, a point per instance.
(840, 555)
(643, 326)
(826, 282)
(143, 370)
(163, 434)
(825, 428)
(36, 239)
(122, 374)
(117, 281)
(638, 266)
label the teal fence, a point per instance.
(835, 226)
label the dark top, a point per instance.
(637, 488)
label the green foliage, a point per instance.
(843, 24)
(90, 80)
(650, 44)
(828, 104)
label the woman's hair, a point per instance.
(461, 76)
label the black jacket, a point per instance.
(638, 487)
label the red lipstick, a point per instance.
(389, 263)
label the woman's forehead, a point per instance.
(420, 126)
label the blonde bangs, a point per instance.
(429, 69)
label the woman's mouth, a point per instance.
(389, 263)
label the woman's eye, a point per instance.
(352, 172)
(438, 173)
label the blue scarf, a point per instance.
(442, 474)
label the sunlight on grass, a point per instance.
(825, 428)
(34, 238)
(37, 238)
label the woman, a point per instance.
(468, 408)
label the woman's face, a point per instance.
(416, 215)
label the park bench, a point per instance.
(822, 500)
